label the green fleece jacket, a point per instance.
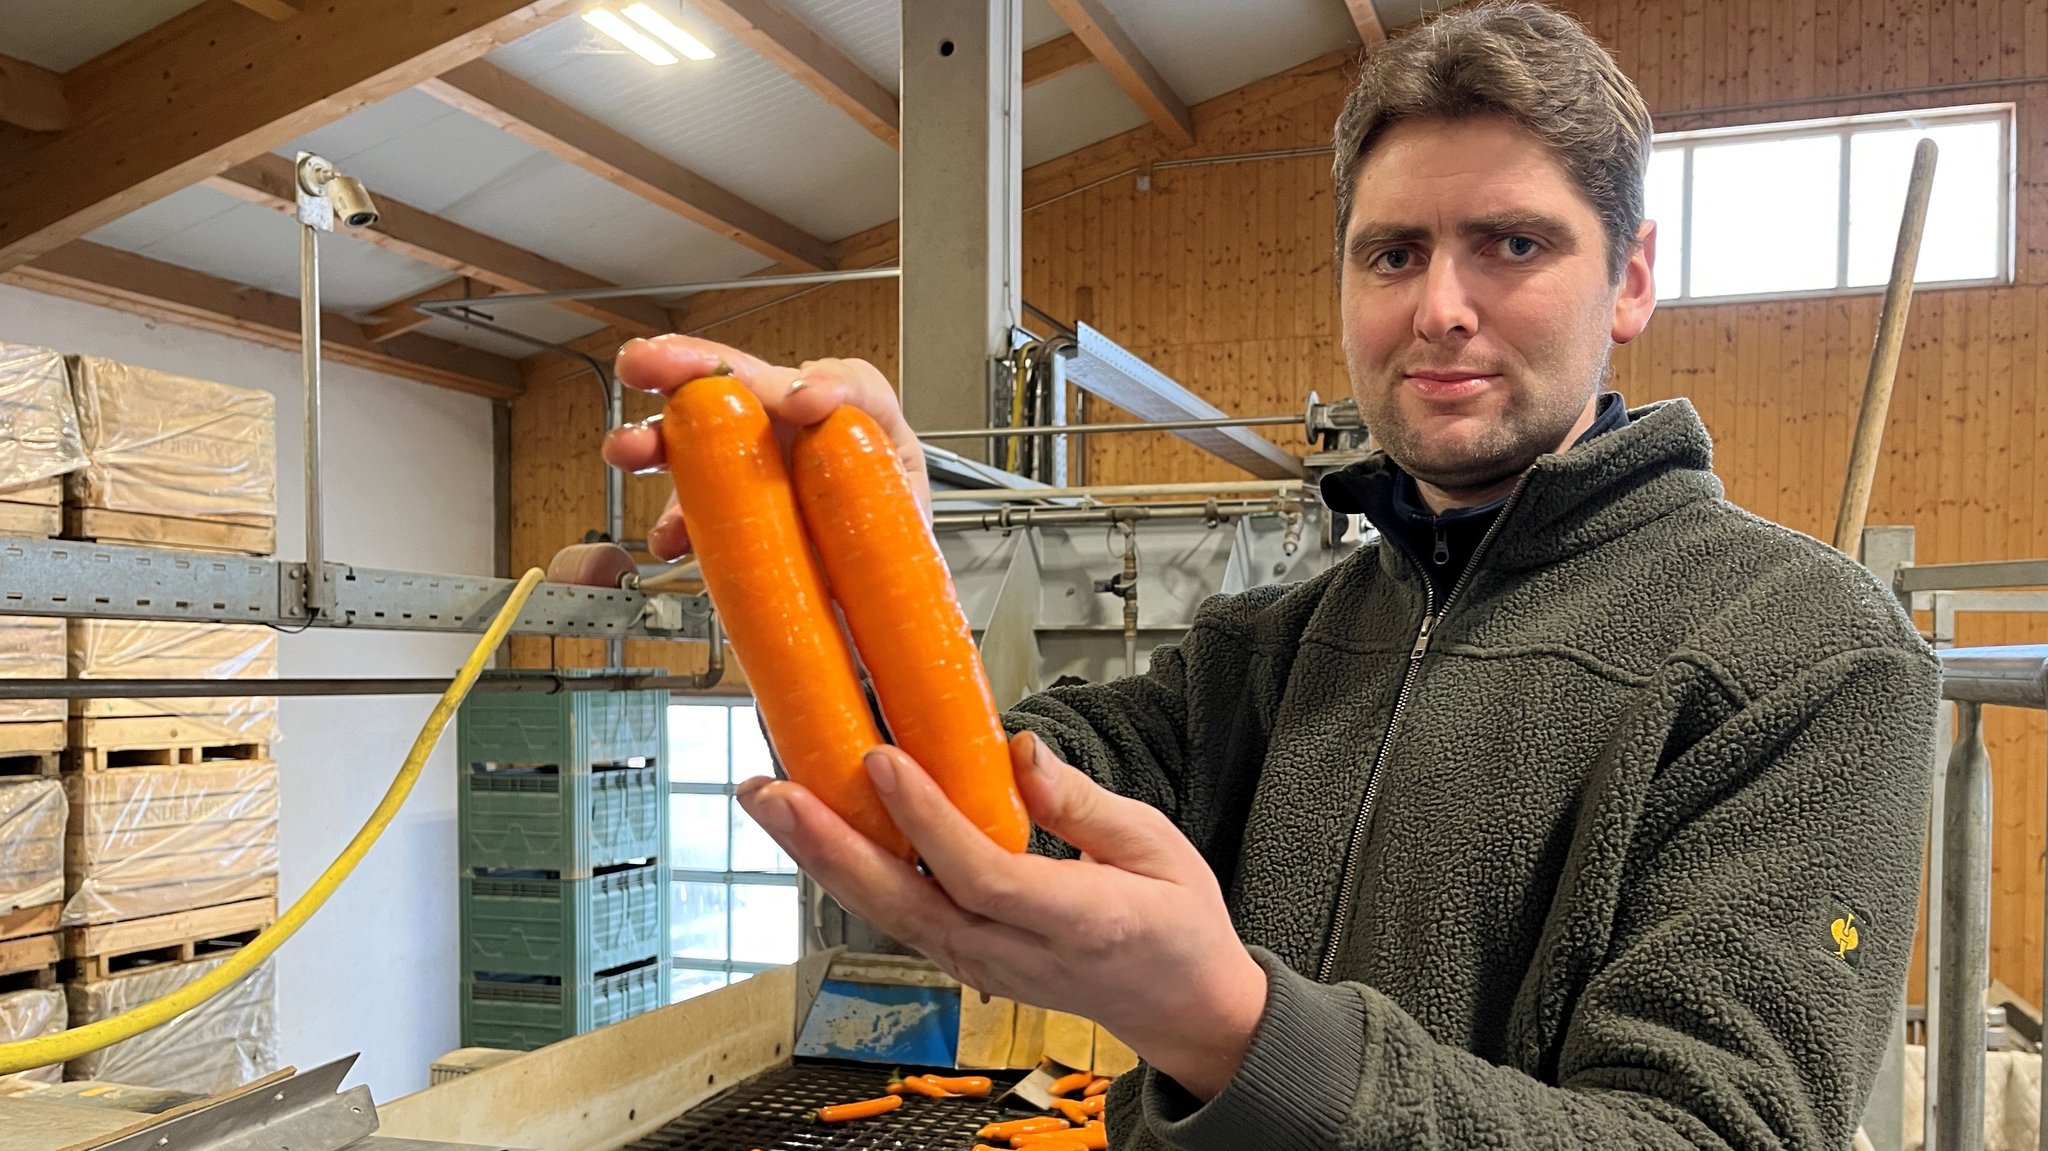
(1617, 847)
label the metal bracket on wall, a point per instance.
(106, 581)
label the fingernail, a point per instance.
(773, 813)
(798, 386)
(881, 771)
(1041, 756)
(753, 784)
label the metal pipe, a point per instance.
(1966, 936)
(42, 689)
(1130, 593)
(1884, 355)
(2014, 675)
(318, 596)
(439, 307)
(1118, 491)
(714, 657)
(1011, 518)
(1104, 429)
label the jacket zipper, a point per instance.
(1347, 890)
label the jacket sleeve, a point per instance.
(1139, 736)
(1734, 1008)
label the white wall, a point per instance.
(408, 485)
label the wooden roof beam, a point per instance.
(423, 236)
(812, 60)
(1128, 66)
(32, 97)
(211, 87)
(1366, 19)
(497, 97)
(400, 316)
(274, 9)
(1055, 57)
(112, 278)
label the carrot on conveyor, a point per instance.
(919, 1085)
(1093, 1105)
(1075, 1111)
(1036, 1125)
(1068, 1084)
(1097, 1087)
(733, 488)
(865, 1109)
(972, 1086)
(891, 583)
(1093, 1138)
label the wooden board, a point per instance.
(19, 765)
(36, 521)
(100, 744)
(102, 526)
(44, 493)
(30, 954)
(17, 739)
(100, 951)
(37, 920)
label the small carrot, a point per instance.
(1097, 1087)
(1093, 1105)
(918, 1085)
(1080, 1138)
(734, 491)
(1076, 1112)
(974, 1086)
(1068, 1084)
(865, 1109)
(1036, 1125)
(891, 583)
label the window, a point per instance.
(734, 894)
(1813, 206)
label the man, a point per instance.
(1584, 809)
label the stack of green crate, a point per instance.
(563, 814)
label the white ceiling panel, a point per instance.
(1205, 48)
(870, 34)
(737, 120)
(176, 212)
(566, 214)
(1041, 23)
(418, 150)
(62, 34)
(1074, 111)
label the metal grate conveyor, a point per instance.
(767, 1112)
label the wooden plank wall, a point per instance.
(1221, 275)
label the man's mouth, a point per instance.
(1448, 383)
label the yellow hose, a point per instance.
(31, 1053)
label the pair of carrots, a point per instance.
(778, 542)
(1090, 1136)
(942, 1086)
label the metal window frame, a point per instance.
(727, 878)
(1846, 128)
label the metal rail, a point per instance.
(1106, 429)
(1914, 578)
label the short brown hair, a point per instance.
(1530, 64)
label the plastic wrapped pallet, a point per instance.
(156, 840)
(223, 1043)
(32, 815)
(32, 1015)
(169, 445)
(39, 431)
(144, 649)
(31, 647)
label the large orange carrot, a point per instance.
(848, 1112)
(737, 504)
(891, 582)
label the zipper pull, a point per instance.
(1441, 555)
(1422, 639)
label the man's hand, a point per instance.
(794, 397)
(1133, 935)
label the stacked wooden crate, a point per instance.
(170, 854)
(39, 443)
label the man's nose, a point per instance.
(1446, 310)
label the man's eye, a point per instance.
(1520, 247)
(1394, 260)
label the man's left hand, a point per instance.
(1133, 935)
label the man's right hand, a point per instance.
(794, 398)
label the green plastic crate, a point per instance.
(567, 822)
(525, 1012)
(574, 730)
(569, 928)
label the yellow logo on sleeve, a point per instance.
(1846, 935)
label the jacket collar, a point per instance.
(1571, 500)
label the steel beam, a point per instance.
(1102, 368)
(1968, 577)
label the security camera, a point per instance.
(352, 202)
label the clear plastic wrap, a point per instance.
(169, 445)
(31, 647)
(39, 432)
(143, 649)
(32, 814)
(221, 1044)
(155, 840)
(32, 1015)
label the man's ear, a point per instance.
(1637, 297)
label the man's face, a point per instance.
(1478, 313)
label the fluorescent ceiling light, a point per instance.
(608, 22)
(667, 32)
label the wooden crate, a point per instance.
(103, 951)
(37, 739)
(151, 741)
(18, 765)
(30, 961)
(145, 842)
(250, 535)
(36, 521)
